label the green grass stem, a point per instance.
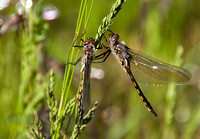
(108, 20)
(171, 96)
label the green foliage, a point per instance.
(52, 102)
(88, 117)
(35, 131)
(55, 120)
(31, 86)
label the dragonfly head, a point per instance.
(113, 39)
(90, 41)
(89, 46)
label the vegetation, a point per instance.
(38, 89)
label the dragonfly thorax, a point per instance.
(89, 49)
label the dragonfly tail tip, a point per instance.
(154, 113)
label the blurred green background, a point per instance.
(167, 30)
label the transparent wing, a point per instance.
(152, 71)
(86, 88)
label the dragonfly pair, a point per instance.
(137, 65)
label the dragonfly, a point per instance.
(144, 68)
(84, 97)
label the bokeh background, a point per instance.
(167, 30)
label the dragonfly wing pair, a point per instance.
(86, 87)
(152, 71)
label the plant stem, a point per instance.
(108, 20)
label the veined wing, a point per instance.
(152, 71)
(86, 87)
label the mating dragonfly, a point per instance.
(143, 67)
(84, 93)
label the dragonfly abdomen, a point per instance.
(80, 98)
(139, 91)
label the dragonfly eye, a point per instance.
(89, 41)
(86, 42)
(114, 39)
(93, 43)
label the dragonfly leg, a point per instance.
(83, 35)
(106, 41)
(139, 91)
(77, 46)
(103, 55)
(110, 31)
(103, 46)
(105, 37)
(75, 63)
